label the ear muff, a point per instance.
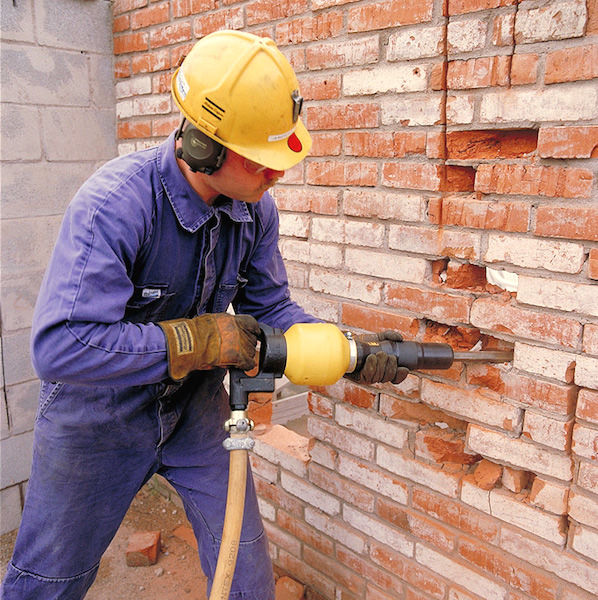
(199, 151)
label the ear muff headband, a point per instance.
(199, 150)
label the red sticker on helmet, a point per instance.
(294, 143)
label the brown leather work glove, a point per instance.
(210, 340)
(379, 367)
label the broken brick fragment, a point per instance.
(288, 589)
(185, 533)
(143, 549)
(487, 474)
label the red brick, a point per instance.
(185, 533)
(592, 22)
(436, 305)
(456, 514)
(299, 529)
(531, 180)
(130, 42)
(346, 116)
(372, 573)
(342, 54)
(418, 176)
(487, 474)
(373, 319)
(488, 313)
(510, 570)
(478, 72)
(568, 142)
(443, 446)
(143, 548)
(417, 525)
(341, 487)
(308, 575)
(318, 405)
(161, 84)
(590, 338)
(485, 144)
(593, 264)
(468, 211)
(459, 338)
(334, 569)
(515, 480)
(361, 143)
(135, 129)
(524, 69)
(587, 405)
(323, 202)
(342, 173)
(417, 412)
(259, 408)
(170, 34)
(164, 126)
(151, 62)
(277, 496)
(458, 7)
(184, 8)
(122, 68)
(308, 29)
(389, 13)
(575, 222)
(261, 11)
(436, 144)
(358, 396)
(572, 64)
(321, 87)
(153, 15)
(121, 6)
(405, 143)
(408, 570)
(121, 23)
(288, 589)
(503, 27)
(531, 391)
(465, 277)
(438, 77)
(326, 144)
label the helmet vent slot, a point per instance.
(213, 109)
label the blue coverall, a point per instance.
(138, 246)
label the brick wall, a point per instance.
(448, 137)
(57, 127)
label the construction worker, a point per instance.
(131, 338)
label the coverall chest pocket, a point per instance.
(149, 303)
(226, 293)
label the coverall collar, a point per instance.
(191, 211)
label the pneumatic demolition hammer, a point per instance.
(320, 354)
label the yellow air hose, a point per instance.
(233, 520)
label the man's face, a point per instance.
(242, 179)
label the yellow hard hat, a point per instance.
(240, 90)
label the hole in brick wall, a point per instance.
(487, 144)
(459, 338)
(457, 275)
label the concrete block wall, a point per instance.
(58, 126)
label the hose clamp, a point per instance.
(231, 443)
(352, 352)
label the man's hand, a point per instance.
(209, 341)
(380, 367)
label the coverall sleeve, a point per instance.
(79, 335)
(266, 294)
